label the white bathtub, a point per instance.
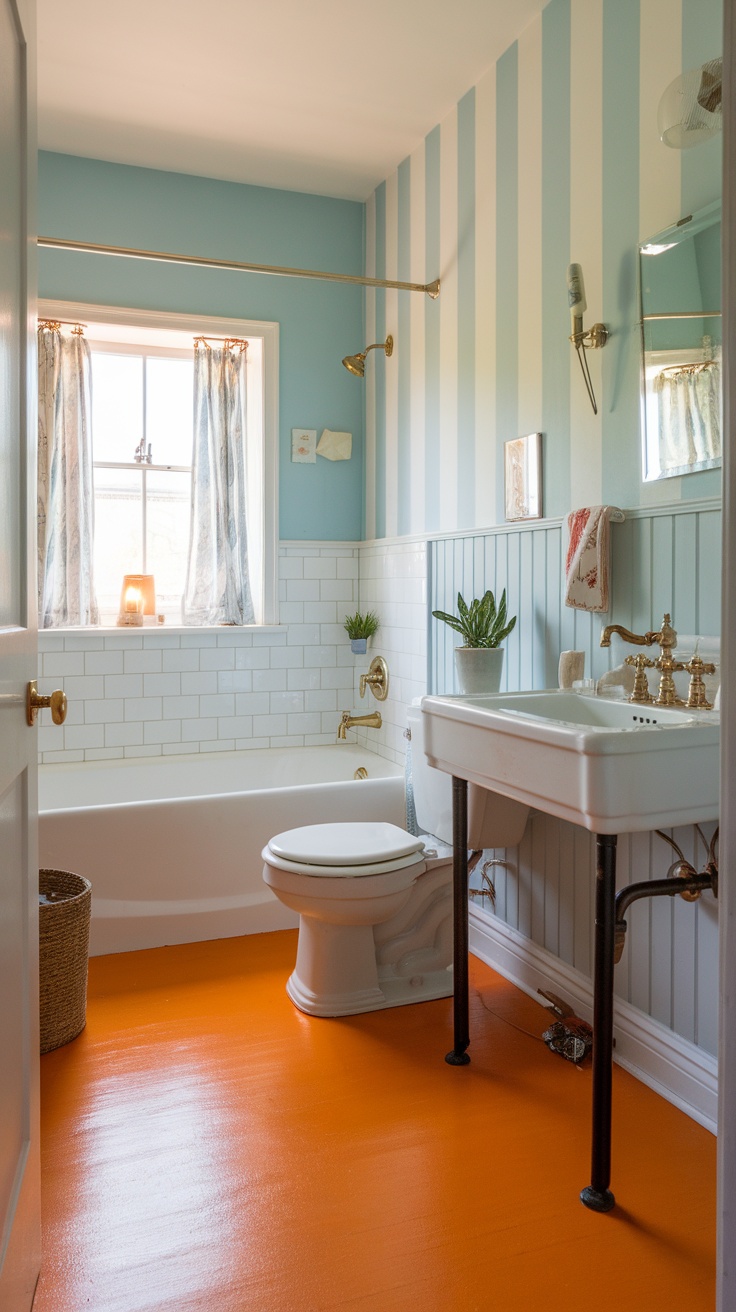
(173, 846)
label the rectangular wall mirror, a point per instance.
(680, 280)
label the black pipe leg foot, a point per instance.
(457, 1058)
(597, 1200)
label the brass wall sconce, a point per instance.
(355, 364)
(595, 337)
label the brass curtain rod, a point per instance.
(54, 323)
(432, 289)
(229, 341)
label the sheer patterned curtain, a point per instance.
(689, 403)
(66, 593)
(218, 588)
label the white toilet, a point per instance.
(375, 902)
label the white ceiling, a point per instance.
(311, 95)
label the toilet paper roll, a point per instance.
(571, 667)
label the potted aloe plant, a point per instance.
(360, 629)
(483, 627)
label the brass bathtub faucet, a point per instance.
(348, 721)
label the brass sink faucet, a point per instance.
(372, 721)
(666, 664)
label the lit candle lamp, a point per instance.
(132, 609)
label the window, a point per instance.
(142, 410)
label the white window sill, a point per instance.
(141, 630)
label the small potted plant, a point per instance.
(360, 629)
(483, 627)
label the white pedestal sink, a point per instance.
(613, 767)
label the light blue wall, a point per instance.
(113, 204)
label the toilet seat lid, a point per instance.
(350, 844)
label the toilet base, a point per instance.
(390, 993)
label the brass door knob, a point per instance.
(35, 703)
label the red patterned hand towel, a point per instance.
(587, 566)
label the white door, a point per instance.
(19, 1150)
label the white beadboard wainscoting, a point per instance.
(664, 559)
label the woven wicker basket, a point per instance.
(63, 951)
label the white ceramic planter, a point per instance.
(479, 669)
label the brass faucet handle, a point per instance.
(641, 664)
(696, 668)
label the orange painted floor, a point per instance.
(208, 1148)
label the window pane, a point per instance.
(169, 409)
(118, 533)
(167, 522)
(117, 405)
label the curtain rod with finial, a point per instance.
(432, 289)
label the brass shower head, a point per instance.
(355, 364)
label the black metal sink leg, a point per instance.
(459, 1055)
(598, 1196)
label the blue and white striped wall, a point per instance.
(553, 157)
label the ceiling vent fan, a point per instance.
(690, 109)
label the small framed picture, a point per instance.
(523, 477)
(304, 446)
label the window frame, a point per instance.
(262, 444)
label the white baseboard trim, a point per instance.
(677, 1070)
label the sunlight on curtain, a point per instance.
(689, 401)
(217, 588)
(65, 517)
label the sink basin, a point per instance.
(611, 766)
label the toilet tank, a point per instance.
(493, 820)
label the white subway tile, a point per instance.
(123, 641)
(337, 678)
(143, 708)
(251, 744)
(318, 739)
(89, 641)
(303, 635)
(252, 703)
(103, 662)
(59, 664)
(50, 738)
(84, 735)
(270, 638)
(304, 723)
(154, 639)
(321, 656)
(49, 641)
(123, 735)
(233, 681)
(322, 699)
(291, 612)
(162, 731)
(235, 637)
(287, 658)
(180, 708)
(348, 567)
(177, 661)
(309, 678)
(149, 750)
(198, 639)
(142, 662)
(322, 613)
(269, 725)
(110, 711)
(197, 730)
(332, 633)
(301, 590)
(320, 567)
(330, 722)
(287, 740)
(104, 754)
(162, 685)
(221, 658)
(337, 590)
(124, 685)
(269, 680)
(91, 685)
(255, 658)
(238, 726)
(63, 756)
(282, 703)
(291, 567)
(217, 704)
(178, 749)
(217, 745)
